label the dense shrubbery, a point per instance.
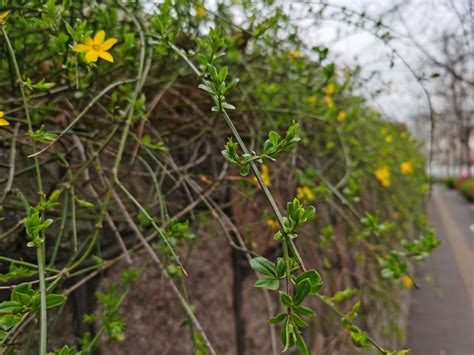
(114, 117)
(464, 185)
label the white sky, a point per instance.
(402, 97)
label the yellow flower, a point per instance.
(406, 168)
(295, 54)
(389, 139)
(97, 47)
(264, 174)
(273, 225)
(200, 12)
(3, 16)
(205, 179)
(328, 100)
(383, 176)
(3, 122)
(341, 116)
(304, 193)
(407, 281)
(312, 100)
(330, 89)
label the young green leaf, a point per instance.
(54, 300)
(263, 266)
(278, 318)
(302, 290)
(314, 279)
(304, 311)
(271, 284)
(285, 299)
(300, 343)
(298, 321)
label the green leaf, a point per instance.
(354, 311)
(298, 321)
(223, 74)
(302, 290)
(285, 299)
(228, 106)
(8, 321)
(271, 284)
(278, 318)
(300, 343)
(10, 307)
(41, 85)
(23, 293)
(263, 266)
(54, 300)
(304, 311)
(344, 295)
(245, 169)
(84, 203)
(280, 268)
(206, 88)
(286, 335)
(314, 279)
(274, 138)
(360, 338)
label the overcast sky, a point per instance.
(423, 20)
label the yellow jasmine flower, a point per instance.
(304, 193)
(383, 176)
(312, 100)
(273, 225)
(97, 47)
(205, 179)
(330, 89)
(341, 116)
(3, 16)
(264, 174)
(407, 281)
(389, 139)
(328, 100)
(295, 54)
(200, 12)
(406, 168)
(3, 122)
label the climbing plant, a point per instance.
(93, 176)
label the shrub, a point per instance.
(133, 132)
(466, 187)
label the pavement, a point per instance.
(441, 318)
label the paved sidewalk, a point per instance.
(441, 320)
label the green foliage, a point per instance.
(23, 300)
(421, 248)
(339, 149)
(272, 147)
(297, 215)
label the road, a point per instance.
(441, 320)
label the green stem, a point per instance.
(336, 310)
(40, 248)
(42, 282)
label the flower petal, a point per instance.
(88, 41)
(82, 48)
(99, 37)
(92, 56)
(107, 56)
(2, 114)
(4, 122)
(108, 44)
